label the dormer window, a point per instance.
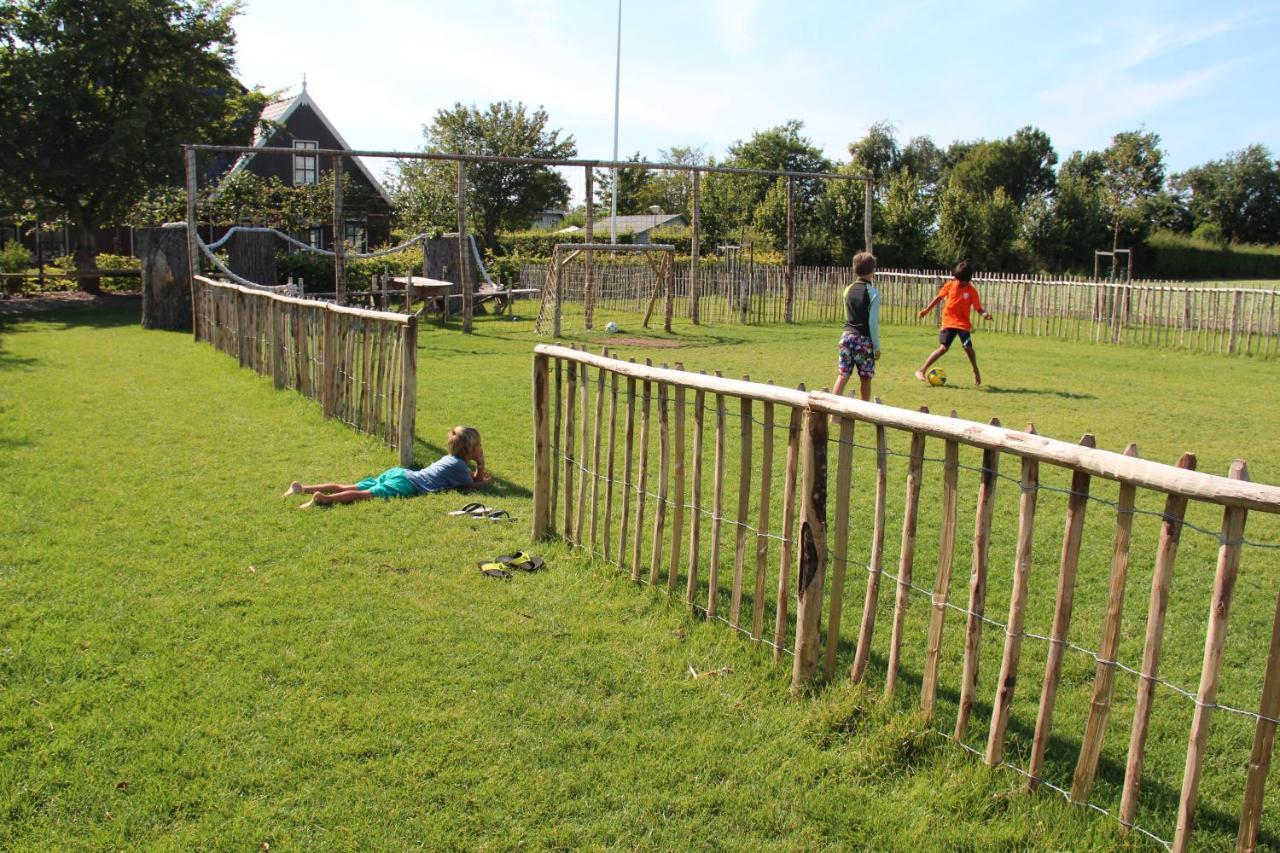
(304, 166)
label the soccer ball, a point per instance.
(936, 376)
(611, 327)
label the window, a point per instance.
(355, 237)
(304, 166)
(315, 237)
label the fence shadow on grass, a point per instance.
(1044, 392)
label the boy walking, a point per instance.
(959, 297)
(860, 342)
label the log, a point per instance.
(166, 284)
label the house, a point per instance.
(298, 123)
(640, 225)
(547, 219)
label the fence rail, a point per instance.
(1157, 313)
(794, 546)
(360, 365)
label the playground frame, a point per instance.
(191, 153)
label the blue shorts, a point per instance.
(857, 353)
(946, 336)
(391, 483)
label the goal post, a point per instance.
(660, 258)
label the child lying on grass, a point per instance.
(451, 471)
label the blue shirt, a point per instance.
(448, 472)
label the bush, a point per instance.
(316, 271)
(1169, 255)
(105, 262)
(14, 257)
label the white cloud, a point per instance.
(735, 23)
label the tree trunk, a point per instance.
(86, 255)
(253, 257)
(166, 284)
(441, 259)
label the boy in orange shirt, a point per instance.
(960, 297)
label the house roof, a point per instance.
(278, 112)
(639, 223)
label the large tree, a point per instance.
(632, 185)
(1021, 165)
(1237, 197)
(99, 97)
(500, 195)
(1133, 177)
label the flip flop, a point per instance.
(492, 514)
(470, 509)
(522, 561)
(494, 570)
(514, 557)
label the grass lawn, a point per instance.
(186, 661)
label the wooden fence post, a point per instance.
(744, 505)
(541, 449)
(788, 532)
(1264, 744)
(906, 560)
(1108, 648)
(193, 249)
(789, 284)
(762, 530)
(978, 586)
(840, 554)
(867, 194)
(867, 626)
(339, 235)
(1017, 610)
(695, 245)
(942, 582)
(1224, 582)
(1064, 602)
(464, 263)
(588, 232)
(812, 553)
(409, 391)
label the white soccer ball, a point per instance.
(611, 327)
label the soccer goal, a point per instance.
(575, 278)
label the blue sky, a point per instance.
(708, 72)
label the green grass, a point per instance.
(363, 686)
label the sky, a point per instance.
(709, 72)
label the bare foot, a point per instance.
(295, 488)
(309, 503)
(920, 376)
(977, 380)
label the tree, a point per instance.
(1239, 196)
(924, 161)
(905, 220)
(632, 185)
(670, 190)
(877, 153)
(1063, 229)
(981, 229)
(1134, 175)
(1021, 165)
(98, 99)
(499, 195)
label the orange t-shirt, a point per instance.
(959, 298)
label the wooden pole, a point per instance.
(595, 458)
(942, 582)
(637, 548)
(588, 231)
(695, 514)
(1017, 610)
(788, 533)
(1264, 744)
(541, 450)
(608, 483)
(978, 587)
(339, 236)
(906, 560)
(762, 529)
(695, 270)
(1109, 647)
(840, 554)
(570, 461)
(744, 507)
(584, 388)
(811, 557)
(193, 249)
(464, 262)
(867, 194)
(664, 470)
(1224, 582)
(717, 511)
(789, 294)
(867, 626)
(1077, 503)
(677, 476)
(409, 389)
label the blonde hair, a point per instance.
(462, 440)
(864, 263)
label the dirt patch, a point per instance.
(652, 343)
(15, 305)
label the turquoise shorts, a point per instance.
(391, 483)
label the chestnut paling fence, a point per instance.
(724, 493)
(360, 365)
(1156, 313)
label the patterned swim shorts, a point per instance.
(856, 351)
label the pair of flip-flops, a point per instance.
(521, 561)
(479, 510)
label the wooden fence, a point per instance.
(1203, 319)
(638, 488)
(360, 365)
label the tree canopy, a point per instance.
(499, 195)
(98, 99)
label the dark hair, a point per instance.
(864, 263)
(963, 271)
